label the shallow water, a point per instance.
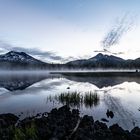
(28, 94)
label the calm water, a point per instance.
(27, 95)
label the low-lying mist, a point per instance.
(76, 71)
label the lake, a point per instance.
(31, 93)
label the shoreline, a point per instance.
(100, 73)
(62, 124)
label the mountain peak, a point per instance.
(16, 53)
(99, 55)
(12, 52)
(17, 56)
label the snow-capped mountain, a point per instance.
(20, 60)
(18, 57)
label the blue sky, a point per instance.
(66, 29)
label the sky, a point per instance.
(64, 30)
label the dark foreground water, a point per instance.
(28, 94)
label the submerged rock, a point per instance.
(109, 114)
(104, 120)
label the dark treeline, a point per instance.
(128, 64)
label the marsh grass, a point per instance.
(77, 99)
(29, 132)
(18, 134)
(91, 99)
(71, 99)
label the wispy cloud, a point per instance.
(121, 27)
(51, 56)
(32, 51)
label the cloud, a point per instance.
(52, 56)
(122, 26)
(49, 56)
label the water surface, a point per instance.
(28, 94)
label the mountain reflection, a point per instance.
(22, 81)
(76, 99)
(101, 81)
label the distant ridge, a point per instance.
(21, 60)
(105, 61)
